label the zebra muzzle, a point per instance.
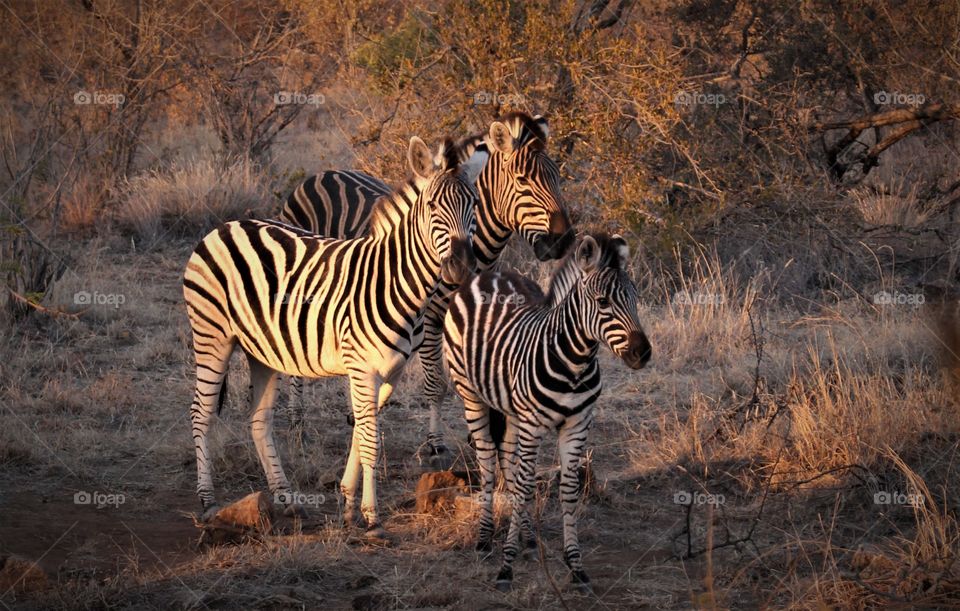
(461, 263)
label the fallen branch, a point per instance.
(907, 120)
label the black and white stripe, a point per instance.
(519, 192)
(309, 306)
(513, 352)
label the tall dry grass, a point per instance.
(192, 197)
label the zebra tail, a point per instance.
(223, 395)
(498, 427)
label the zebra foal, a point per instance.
(308, 306)
(532, 358)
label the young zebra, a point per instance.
(310, 306)
(533, 359)
(519, 192)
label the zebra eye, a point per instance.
(603, 302)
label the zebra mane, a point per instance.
(389, 210)
(527, 129)
(568, 272)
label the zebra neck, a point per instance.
(406, 247)
(566, 334)
(492, 231)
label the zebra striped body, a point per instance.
(513, 351)
(308, 306)
(519, 191)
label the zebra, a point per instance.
(308, 306)
(519, 192)
(532, 358)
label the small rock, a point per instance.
(437, 491)
(251, 516)
(20, 576)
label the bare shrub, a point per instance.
(191, 198)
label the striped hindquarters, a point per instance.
(334, 204)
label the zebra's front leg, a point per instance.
(435, 385)
(264, 395)
(508, 460)
(478, 421)
(364, 394)
(295, 407)
(524, 486)
(571, 442)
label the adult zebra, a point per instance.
(533, 359)
(310, 306)
(519, 192)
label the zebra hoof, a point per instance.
(505, 579)
(351, 420)
(209, 513)
(441, 459)
(580, 582)
(378, 535)
(484, 546)
(296, 511)
(351, 519)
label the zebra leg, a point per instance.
(435, 383)
(295, 406)
(348, 485)
(364, 395)
(213, 357)
(571, 442)
(478, 421)
(524, 486)
(264, 380)
(508, 459)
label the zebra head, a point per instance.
(610, 298)
(446, 185)
(527, 185)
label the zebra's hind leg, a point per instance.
(264, 382)
(435, 385)
(524, 485)
(213, 357)
(571, 442)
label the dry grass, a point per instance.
(192, 197)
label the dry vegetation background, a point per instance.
(787, 174)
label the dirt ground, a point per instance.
(103, 411)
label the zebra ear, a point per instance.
(588, 254)
(621, 248)
(421, 160)
(472, 167)
(501, 138)
(541, 123)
